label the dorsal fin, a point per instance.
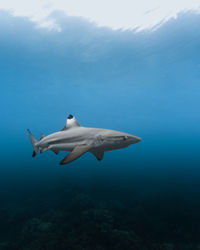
(71, 122)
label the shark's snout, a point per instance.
(135, 139)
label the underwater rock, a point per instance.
(45, 226)
(98, 216)
(34, 228)
(4, 245)
(168, 246)
(125, 239)
(164, 246)
(8, 246)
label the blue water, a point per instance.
(146, 84)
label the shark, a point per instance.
(79, 140)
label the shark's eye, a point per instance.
(70, 117)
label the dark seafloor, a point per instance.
(109, 211)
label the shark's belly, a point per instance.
(111, 147)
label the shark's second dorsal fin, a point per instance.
(71, 122)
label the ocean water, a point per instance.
(144, 83)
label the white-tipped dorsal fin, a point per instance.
(71, 122)
(76, 153)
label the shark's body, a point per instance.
(80, 140)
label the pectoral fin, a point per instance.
(98, 154)
(75, 154)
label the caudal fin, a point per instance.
(33, 142)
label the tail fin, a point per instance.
(33, 141)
